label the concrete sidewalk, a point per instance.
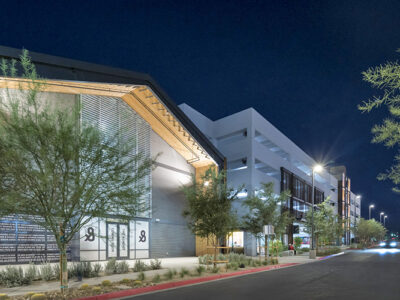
(189, 263)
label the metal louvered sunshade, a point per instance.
(113, 115)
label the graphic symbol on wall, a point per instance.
(90, 235)
(142, 237)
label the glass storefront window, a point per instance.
(236, 239)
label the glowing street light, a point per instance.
(380, 216)
(313, 253)
(370, 207)
(384, 221)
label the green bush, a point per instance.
(206, 259)
(139, 266)
(4, 297)
(265, 262)
(156, 278)
(141, 276)
(106, 283)
(46, 272)
(31, 273)
(125, 281)
(84, 286)
(38, 297)
(297, 243)
(13, 276)
(122, 267)
(215, 270)
(86, 268)
(169, 275)
(28, 295)
(137, 283)
(328, 251)
(111, 266)
(183, 272)
(200, 270)
(97, 268)
(155, 264)
(57, 271)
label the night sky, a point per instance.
(298, 63)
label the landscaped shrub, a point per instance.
(137, 283)
(205, 259)
(29, 295)
(84, 286)
(86, 268)
(155, 264)
(122, 267)
(31, 273)
(139, 266)
(328, 251)
(106, 283)
(12, 276)
(111, 266)
(56, 271)
(156, 278)
(97, 268)
(125, 281)
(183, 272)
(38, 297)
(200, 270)
(215, 270)
(141, 276)
(169, 275)
(96, 289)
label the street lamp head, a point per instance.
(382, 213)
(358, 196)
(317, 168)
(372, 206)
(385, 217)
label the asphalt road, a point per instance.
(369, 274)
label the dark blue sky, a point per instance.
(298, 63)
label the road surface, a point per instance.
(369, 274)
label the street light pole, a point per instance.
(370, 207)
(313, 252)
(380, 216)
(384, 221)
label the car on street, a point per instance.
(389, 243)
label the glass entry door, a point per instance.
(117, 240)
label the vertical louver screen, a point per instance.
(113, 115)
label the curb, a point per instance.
(330, 256)
(170, 285)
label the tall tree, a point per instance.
(368, 230)
(386, 78)
(60, 174)
(209, 207)
(263, 209)
(327, 224)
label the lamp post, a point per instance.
(370, 207)
(380, 216)
(313, 252)
(384, 221)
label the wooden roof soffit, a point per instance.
(143, 100)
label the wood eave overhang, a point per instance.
(143, 100)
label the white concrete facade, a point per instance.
(256, 152)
